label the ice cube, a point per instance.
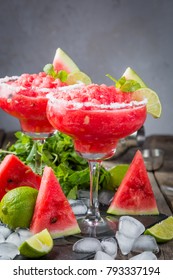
(83, 194)
(14, 238)
(24, 233)
(5, 230)
(125, 243)
(102, 256)
(105, 197)
(146, 255)
(109, 246)
(8, 250)
(78, 207)
(130, 226)
(145, 243)
(2, 239)
(87, 245)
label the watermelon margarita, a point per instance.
(24, 97)
(96, 117)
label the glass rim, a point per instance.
(4, 84)
(77, 105)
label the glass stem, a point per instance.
(93, 213)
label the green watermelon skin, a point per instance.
(52, 209)
(135, 195)
(14, 173)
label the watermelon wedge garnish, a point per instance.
(14, 173)
(52, 209)
(62, 61)
(134, 195)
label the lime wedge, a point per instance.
(117, 174)
(37, 245)
(78, 77)
(154, 106)
(130, 74)
(162, 231)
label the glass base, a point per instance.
(102, 228)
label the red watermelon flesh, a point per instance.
(135, 195)
(14, 173)
(52, 209)
(62, 61)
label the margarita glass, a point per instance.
(24, 97)
(96, 117)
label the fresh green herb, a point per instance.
(58, 152)
(124, 84)
(49, 70)
(62, 75)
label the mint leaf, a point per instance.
(112, 78)
(62, 75)
(49, 70)
(125, 85)
(130, 86)
(120, 82)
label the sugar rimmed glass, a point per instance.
(30, 109)
(96, 130)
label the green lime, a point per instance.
(17, 207)
(37, 245)
(162, 231)
(154, 106)
(130, 74)
(117, 174)
(78, 77)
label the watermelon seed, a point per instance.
(53, 220)
(10, 181)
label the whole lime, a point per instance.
(17, 207)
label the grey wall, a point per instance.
(102, 36)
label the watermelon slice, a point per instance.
(14, 173)
(62, 61)
(134, 195)
(52, 209)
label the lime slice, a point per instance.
(130, 74)
(37, 245)
(154, 106)
(162, 231)
(117, 174)
(78, 77)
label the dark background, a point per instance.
(102, 36)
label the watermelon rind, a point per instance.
(67, 232)
(62, 61)
(120, 211)
(134, 195)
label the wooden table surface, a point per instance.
(161, 179)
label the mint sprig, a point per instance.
(49, 70)
(125, 85)
(58, 152)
